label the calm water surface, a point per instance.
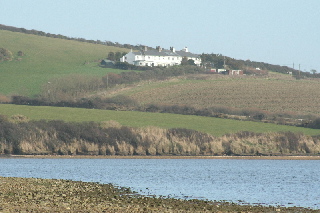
(266, 182)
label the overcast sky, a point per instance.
(279, 32)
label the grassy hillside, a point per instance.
(214, 126)
(45, 58)
(276, 93)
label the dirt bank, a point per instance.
(166, 157)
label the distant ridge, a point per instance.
(234, 63)
(41, 33)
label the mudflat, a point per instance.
(53, 195)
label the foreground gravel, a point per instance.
(51, 195)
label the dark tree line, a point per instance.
(217, 61)
(115, 56)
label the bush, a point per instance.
(5, 55)
(315, 124)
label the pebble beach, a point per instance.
(53, 195)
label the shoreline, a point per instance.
(57, 195)
(293, 157)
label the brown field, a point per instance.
(276, 93)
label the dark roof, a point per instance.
(187, 54)
(106, 61)
(165, 52)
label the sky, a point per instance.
(282, 32)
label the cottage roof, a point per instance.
(107, 61)
(156, 53)
(165, 52)
(187, 54)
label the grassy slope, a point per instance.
(278, 93)
(214, 126)
(46, 58)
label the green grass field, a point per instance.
(46, 58)
(214, 126)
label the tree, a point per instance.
(215, 59)
(111, 56)
(117, 56)
(184, 61)
(313, 71)
(191, 62)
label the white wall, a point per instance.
(129, 57)
(143, 60)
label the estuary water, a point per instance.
(266, 182)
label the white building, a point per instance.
(160, 57)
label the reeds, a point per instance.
(18, 136)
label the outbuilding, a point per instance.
(107, 63)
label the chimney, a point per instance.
(173, 49)
(158, 48)
(185, 49)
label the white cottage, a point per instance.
(160, 57)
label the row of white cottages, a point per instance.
(160, 57)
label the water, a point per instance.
(266, 182)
